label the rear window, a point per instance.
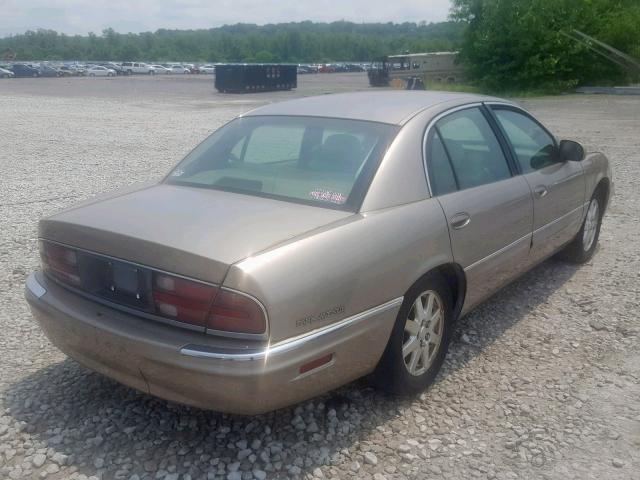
(320, 161)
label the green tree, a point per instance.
(524, 44)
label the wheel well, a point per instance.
(603, 190)
(454, 275)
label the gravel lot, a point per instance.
(542, 381)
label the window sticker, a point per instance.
(325, 195)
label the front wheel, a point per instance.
(583, 246)
(419, 340)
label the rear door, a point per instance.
(558, 186)
(489, 210)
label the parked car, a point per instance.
(137, 67)
(327, 68)
(72, 71)
(115, 67)
(161, 69)
(81, 70)
(66, 71)
(353, 67)
(20, 70)
(304, 69)
(311, 242)
(4, 73)
(208, 69)
(180, 69)
(49, 71)
(100, 71)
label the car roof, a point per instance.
(385, 106)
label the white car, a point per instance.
(161, 69)
(179, 69)
(137, 67)
(99, 71)
(6, 73)
(210, 69)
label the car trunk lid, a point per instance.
(190, 231)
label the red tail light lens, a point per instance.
(60, 262)
(191, 302)
(176, 298)
(234, 312)
(182, 300)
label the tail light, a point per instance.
(206, 306)
(234, 312)
(60, 262)
(176, 298)
(182, 300)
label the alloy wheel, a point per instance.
(423, 331)
(590, 225)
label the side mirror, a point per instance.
(571, 151)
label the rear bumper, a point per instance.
(201, 370)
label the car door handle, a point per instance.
(460, 220)
(540, 191)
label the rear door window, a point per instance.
(473, 149)
(441, 176)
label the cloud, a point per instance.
(83, 16)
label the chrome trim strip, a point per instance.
(158, 318)
(513, 244)
(553, 222)
(120, 307)
(117, 259)
(34, 286)
(498, 252)
(289, 344)
(425, 136)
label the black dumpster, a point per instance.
(263, 77)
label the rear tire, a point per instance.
(419, 340)
(583, 246)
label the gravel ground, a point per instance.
(542, 381)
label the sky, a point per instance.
(83, 16)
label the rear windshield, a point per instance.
(320, 161)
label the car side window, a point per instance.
(473, 149)
(441, 177)
(533, 146)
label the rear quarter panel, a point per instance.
(328, 275)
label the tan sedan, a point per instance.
(312, 242)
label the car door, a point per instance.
(558, 186)
(489, 210)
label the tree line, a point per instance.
(298, 42)
(505, 45)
